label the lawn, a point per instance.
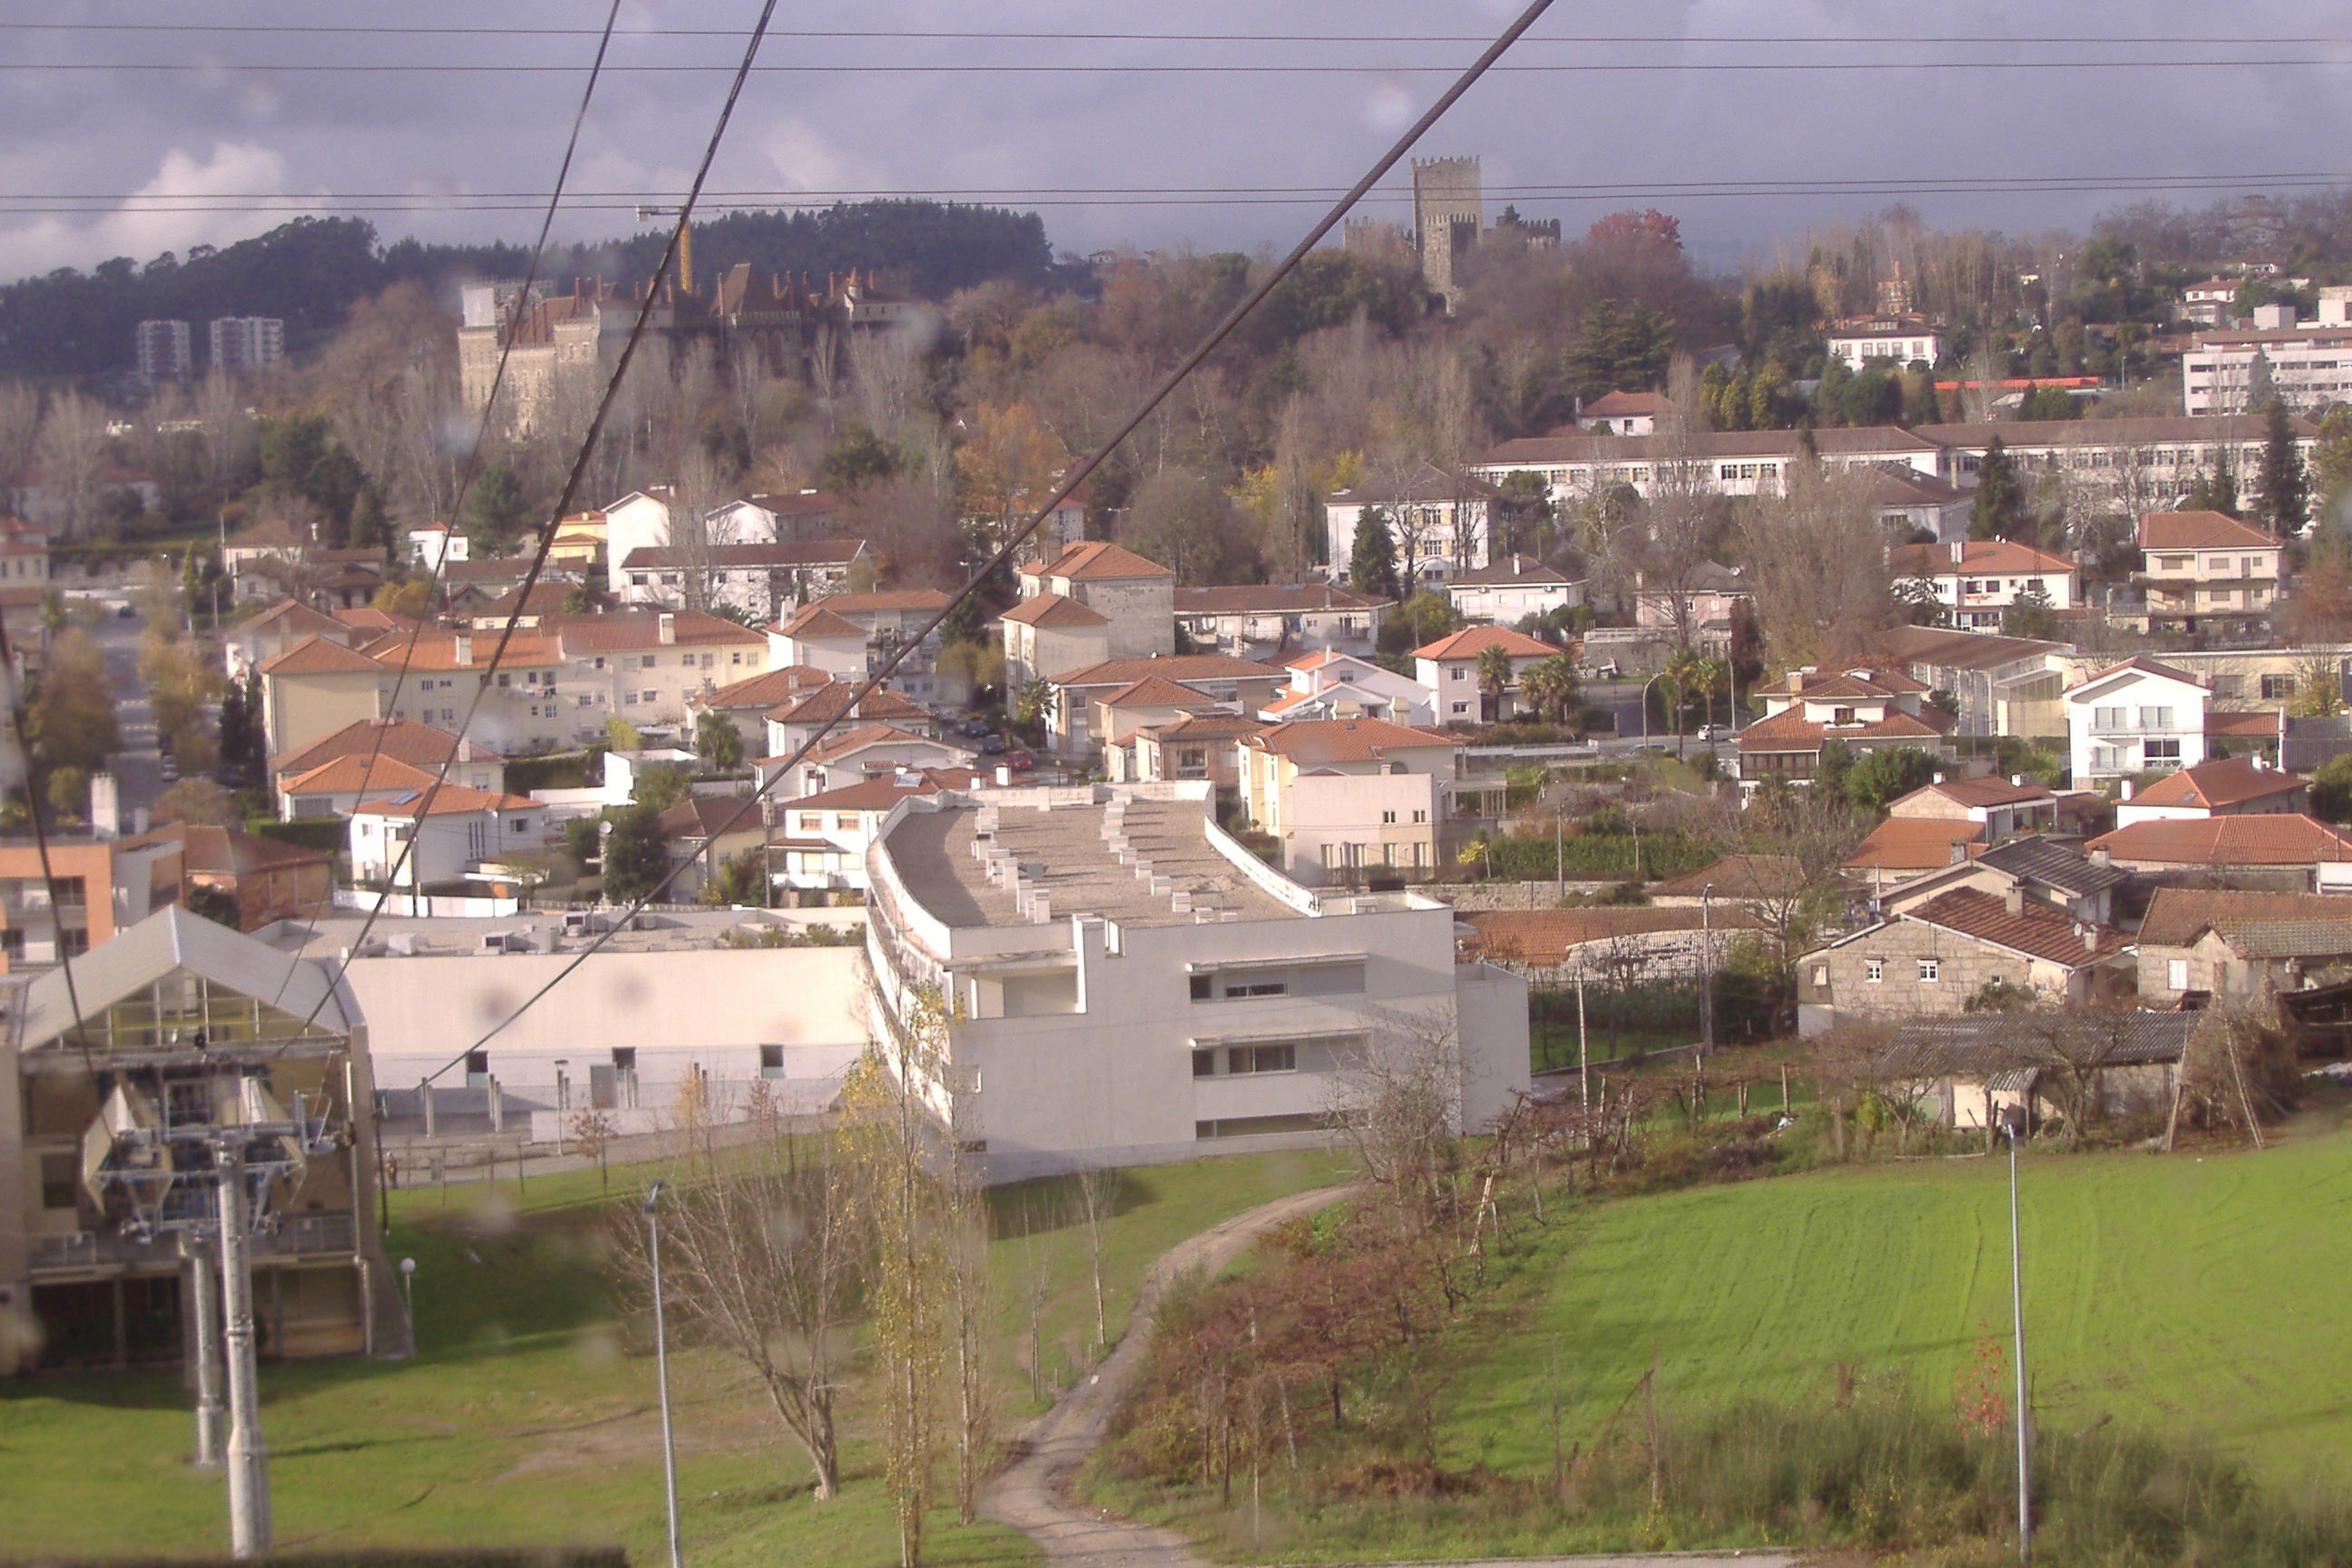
(2196, 1297)
(527, 1419)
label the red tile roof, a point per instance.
(1790, 731)
(764, 691)
(1979, 557)
(831, 701)
(813, 620)
(317, 656)
(2263, 724)
(1053, 610)
(403, 739)
(1472, 641)
(1916, 844)
(1175, 666)
(1097, 560)
(2278, 839)
(2142, 663)
(883, 791)
(2229, 781)
(450, 800)
(1156, 692)
(2200, 530)
(1540, 938)
(2176, 917)
(292, 616)
(1319, 742)
(867, 735)
(1983, 792)
(2037, 930)
(355, 776)
(640, 630)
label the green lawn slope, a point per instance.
(2201, 1297)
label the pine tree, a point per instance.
(2284, 490)
(1372, 566)
(2000, 499)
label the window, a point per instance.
(1205, 1063)
(1457, 673)
(2176, 975)
(1462, 708)
(653, 696)
(1204, 988)
(1421, 813)
(1261, 1059)
(2229, 686)
(58, 1182)
(772, 1061)
(1929, 969)
(2106, 718)
(2155, 717)
(2277, 688)
(1389, 818)
(1873, 969)
(625, 1059)
(1258, 987)
(2161, 752)
(845, 821)
(478, 1069)
(1821, 976)
(812, 822)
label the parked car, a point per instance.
(994, 745)
(171, 768)
(1020, 762)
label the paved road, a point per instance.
(1033, 1493)
(138, 766)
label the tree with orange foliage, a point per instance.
(1008, 468)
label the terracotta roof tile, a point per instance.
(2200, 530)
(2267, 839)
(1916, 844)
(1053, 610)
(2037, 930)
(1979, 557)
(2229, 781)
(1472, 641)
(1540, 938)
(2176, 917)
(1318, 743)
(813, 620)
(1175, 666)
(1156, 692)
(403, 739)
(449, 800)
(317, 656)
(765, 691)
(1097, 560)
(640, 630)
(832, 700)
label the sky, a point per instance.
(1950, 107)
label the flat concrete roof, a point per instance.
(1063, 851)
(664, 930)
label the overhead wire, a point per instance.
(1043, 67)
(895, 35)
(473, 467)
(16, 678)
(573, 481)
(1070, 482)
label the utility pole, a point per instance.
(2017, 1316)
(1583, 1061)
(661, 1368)
(205, 1282)
(1706, 972)
(248, 1455)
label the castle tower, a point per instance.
(1449, 210)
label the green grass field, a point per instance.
(2197, 1298)
(527, 1420)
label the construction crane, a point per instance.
(685, 243)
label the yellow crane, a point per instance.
(685, 243)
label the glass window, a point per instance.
(1205, 1063)
(1261, 1059)
(1204, 988)
(2176, 975)
(1929, 969)
(1873, 969)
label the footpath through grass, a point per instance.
(530, 1418)
(2195, 1298)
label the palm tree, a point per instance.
(1551, 686)
(1493, 678)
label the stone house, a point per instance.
(1933, 957)
(2223, 943)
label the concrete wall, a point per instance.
(300, 709)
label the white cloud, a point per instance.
(151, 221)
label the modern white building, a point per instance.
(2309, 363)
(1123, 983)
(1900, 339)
(241, 343)
(1980, 580)
(2135, 716)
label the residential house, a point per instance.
(2005, 686)
(1616, 413)
(2286, 853)
(1909, 504)
(101, 887)
(803, 514)
(1187, 747)
(637, 665)
(853, 633)
(765, 581)
(455, 830)
(263, 879)
(1273, 623)
(638, 520)
(1934, 957)
(852, 754)
(432, 675)
(263, 637)
(2303, 363)
(316, 688)
(1071, 716)
(2142, 715)
(1439, 520)
(797, 720)
(1449, 668)
(2233, 786)
(1126, 985)
(1903, 847)
(1129, 604)
(1865, 707)
(2005, 807)
(2206, 569)
(819, 841)
(2199, 944)
(1155, 700)
(1979, 581)
(2006, 1069)
(117, 1078)
(433, 544)
(1901, 339)
(402, 743)
(2047, 874)
(1511, 588)
(1343, 686)
(1699, 609)
(704, 833)
(748, 702)
(1352, 798)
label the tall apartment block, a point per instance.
(161, 348)
(246, 343)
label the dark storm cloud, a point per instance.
(1899, 113)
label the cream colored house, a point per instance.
(1092, 601)
(2199, 567)
(1349, 799)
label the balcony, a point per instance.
(334, 1233)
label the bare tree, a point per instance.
(698, 528)
(1098, 1194)
(1398, 1101)
(20, 428)
(1680, 527)
(759, 1263)
(1816, 559)
(71, 453)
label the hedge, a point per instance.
(327, 834)
(1533, 856)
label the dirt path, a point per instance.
(1033, 1493)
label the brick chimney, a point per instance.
(2012, 899)
(667, 628)
(462, 649)
(1959, 548)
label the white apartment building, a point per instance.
(2309, 364)
(1122, 984)
(1439, 519)
(1253, 621)
(1897, 338)
(240, 343)
(2207, 566)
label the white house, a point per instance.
(2138, 716)
(1439, 519)
(1615, 413)
(1099, 975)
(1901, 339)
(1980, 580)
(761, 580)
(820, 841)
(431, 543)
(1449, 668)
(455, 830)
(1511, 588)
(1343, 686)
(1263, 621)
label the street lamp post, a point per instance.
(408, 1295)
(661, 1368)
(563, 1102)
(2017, 1316)
(1645, 701)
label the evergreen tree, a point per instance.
(2000, 504)
(2284, 489)
(1372, 565)
(494, 511)
(2260, 387)
(2215, 491)
(637, 854)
